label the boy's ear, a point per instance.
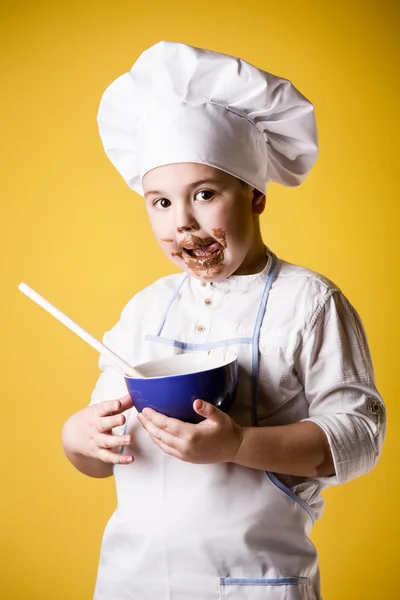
(258, 202)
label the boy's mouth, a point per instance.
(204, 251)
(201, 253)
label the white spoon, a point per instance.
(118, 362)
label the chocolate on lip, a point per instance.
(191, 242)
(209, 261)
(203, 262)
(203, 252)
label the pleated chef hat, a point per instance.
(184, 104)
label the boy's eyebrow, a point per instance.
(191, 186)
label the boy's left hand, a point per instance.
(217, 439)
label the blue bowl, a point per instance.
(171, 385)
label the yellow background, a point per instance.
(72, 229)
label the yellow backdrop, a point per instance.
(73, 230)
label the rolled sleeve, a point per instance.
(335, 367)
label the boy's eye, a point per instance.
(162, 203)
(204, 195)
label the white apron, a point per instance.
(184, 531)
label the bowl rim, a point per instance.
(229, 358)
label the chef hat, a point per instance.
(184, 104)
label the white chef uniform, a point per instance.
(184, 531)
(223, 531)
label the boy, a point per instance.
(224, 508)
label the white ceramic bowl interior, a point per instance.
(181, 364)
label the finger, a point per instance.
(111, 407)
(108, 456)
(161, 435)
(168, 449)
(173, 426)
(104, 424)
(112, 441)
(207, 410)
(126, 402)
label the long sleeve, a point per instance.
(335, 367)
(111, 384)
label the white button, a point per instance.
(208, 301)
(204, 283)
(200, 328)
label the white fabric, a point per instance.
(207, 532)
(184, 104)
(204, 532)
(314, 357)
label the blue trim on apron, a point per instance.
(254, 340)
(165, 315)
(259, 582)
(188, 346)
(278, 483)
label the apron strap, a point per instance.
(165, 315)
(256, 339)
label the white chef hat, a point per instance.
(184, 104)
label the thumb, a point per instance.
(207, 410)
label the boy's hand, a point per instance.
(88, 433)
(216, 439)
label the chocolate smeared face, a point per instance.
(205, 220)
(204, 256)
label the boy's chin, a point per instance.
(210, 275)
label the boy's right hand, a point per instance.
(87, 435)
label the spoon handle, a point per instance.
(119, 363)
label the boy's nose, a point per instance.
(184, 228)
(186, 222)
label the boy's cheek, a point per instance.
(171, 249)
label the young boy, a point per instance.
(224, 508)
